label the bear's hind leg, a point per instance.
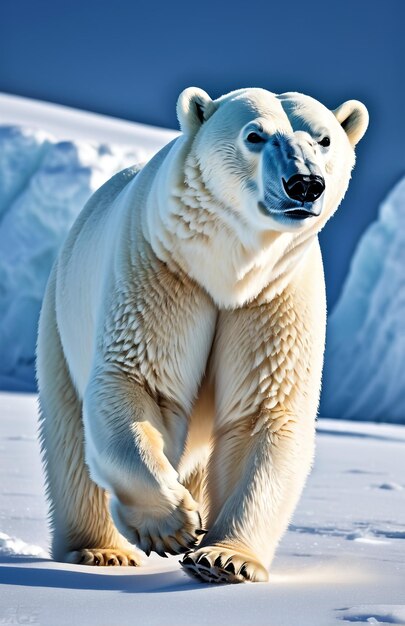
(82, 529)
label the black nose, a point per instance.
(304, 188)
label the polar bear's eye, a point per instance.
(325, 142)
(254, 138)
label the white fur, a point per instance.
(173, 277)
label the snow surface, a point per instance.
(364, 374)
(51, 160)
(341, 562)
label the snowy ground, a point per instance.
(341, 562)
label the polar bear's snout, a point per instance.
(293, 179)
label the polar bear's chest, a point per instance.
(162, 335)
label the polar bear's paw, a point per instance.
(175, 533)
(220, 565)
(178, 533)
(109, 557)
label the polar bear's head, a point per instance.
(258, 175)
(281, 162)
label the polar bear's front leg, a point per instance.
(267, 369)
(255, 483)
(126, 441)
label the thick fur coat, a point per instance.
(181, 338)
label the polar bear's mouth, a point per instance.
(300, 214)
(293, 213)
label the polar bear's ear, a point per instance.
(194, 107)
(353, 117)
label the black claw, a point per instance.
(147, 551)
(229, 567)
(204, 562)
(111, 562)
(243, 571)
(218, 562)
(187, 561)
(200, 518)
(162, 554)
(201, 531)
(96, 561)
(203, 555)
(132, 562)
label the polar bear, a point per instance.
(181, 338)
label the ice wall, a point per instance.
(364, 374)
(44, 183)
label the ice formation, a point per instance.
(364, 374)
(44, 183)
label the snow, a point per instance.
(364, 374)
(13, 545)
(382, 614)
(51, 160)
(341, 562)
(66, 123)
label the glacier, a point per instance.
(44, 182)
(364, 373)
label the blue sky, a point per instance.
(131, 59)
